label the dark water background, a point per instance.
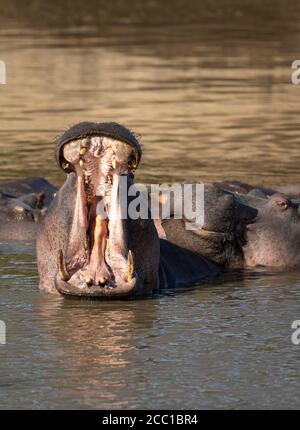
(207, 86)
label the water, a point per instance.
(210, 101)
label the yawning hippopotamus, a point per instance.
(89, 245)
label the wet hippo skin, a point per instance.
(273, 240)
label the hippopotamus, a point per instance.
(221, 234)
(23, 204)
(273, 240)
(269, 238)
(33, 190)
(88, 244)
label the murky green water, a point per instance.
(212, 101)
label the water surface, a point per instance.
(209, 102)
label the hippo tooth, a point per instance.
(128, 275)
(114, 163)
(89, 280)
(102, 280)
(82, 151)
(62, 269)
(81, 163)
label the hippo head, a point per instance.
(221, 234)
(17, 208)
(273, 240)
(100, 251)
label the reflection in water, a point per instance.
(95, 339)
(222, 344)
(210, 101)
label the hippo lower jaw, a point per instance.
(114, 292)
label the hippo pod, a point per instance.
(89, 245)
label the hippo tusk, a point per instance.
(89, 280)
(128, 275)
(62, 269)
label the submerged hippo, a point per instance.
(23, 202)
(242, 230)
(274, 239)
(87, 245)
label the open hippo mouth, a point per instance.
(97, 260)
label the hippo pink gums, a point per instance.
(88, 247)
